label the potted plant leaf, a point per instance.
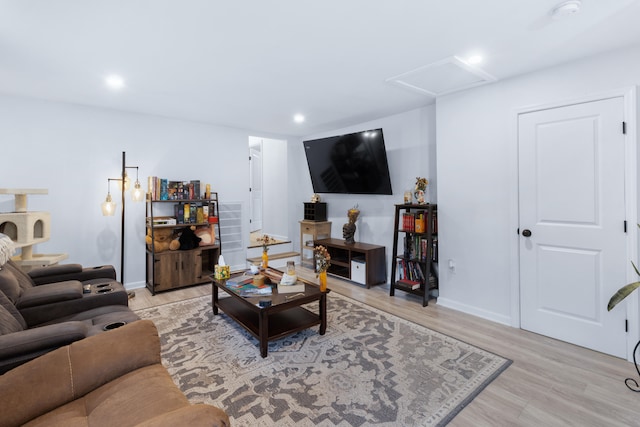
(624, 291)
(621, 294)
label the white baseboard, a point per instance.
(474, 311)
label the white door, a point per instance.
(573, 253)
(255, 170)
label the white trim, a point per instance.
(631, 201)
(474, 311)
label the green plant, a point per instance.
(624, 291)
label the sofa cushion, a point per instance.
(24, 344)
(9, 284)
(47, 294)
(24, 280)
(10, 318)
(118, 402)
(8, 323)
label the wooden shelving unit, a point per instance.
(169, 270)
(416, 260)
(363, 263)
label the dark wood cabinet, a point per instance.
(359, 262)
(169, 269)
(175, 269)
(415, 250)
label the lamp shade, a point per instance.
(109, 206)
(137, 193)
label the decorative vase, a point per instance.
(265, 259)
(419, 195)
(322, 279)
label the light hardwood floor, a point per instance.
(550, 383)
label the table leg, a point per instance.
(323, 313)
(214, 299)
(264, 332)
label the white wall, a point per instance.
(476, 143)
(275, 220)
(410, 143)
(72, 150)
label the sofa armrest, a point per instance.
(63, 272)
(194, 415)
(49, 294)
(33, 389)
(19, 347)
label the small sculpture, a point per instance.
(349, 229)
(421, 186)
(315, 198)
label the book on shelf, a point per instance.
(195, 189)
(434, 250)
(187, 213)
(410, 270)
(420, 222)
(178, 210)
(164, 189)
(412, 284)
(199, 214)
(434, 221)
(173, 190)
(408, 221)
(192, 213)
(180, 190)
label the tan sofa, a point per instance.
(112, 379)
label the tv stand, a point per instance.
(359, 262)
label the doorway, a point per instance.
(269, 199)
(573, 244)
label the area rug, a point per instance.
(370, 368)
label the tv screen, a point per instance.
(354, 163)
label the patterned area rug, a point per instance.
(370, 368)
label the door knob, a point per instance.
(526, 232)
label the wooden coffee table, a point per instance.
(285, 315)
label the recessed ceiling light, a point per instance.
(114, 82)
(298, 118)
(474, 59)
(568, 8)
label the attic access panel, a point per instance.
(439, 78)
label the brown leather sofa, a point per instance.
(111, 379)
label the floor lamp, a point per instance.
(109, 206)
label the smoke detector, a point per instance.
(566, 9)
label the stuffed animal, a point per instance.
(188, 239)
(163, 240)
(206, 234)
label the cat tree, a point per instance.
(27, 229)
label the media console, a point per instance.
(359, 262)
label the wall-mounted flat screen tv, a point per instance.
(354, 163)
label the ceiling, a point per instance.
(253, 64)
